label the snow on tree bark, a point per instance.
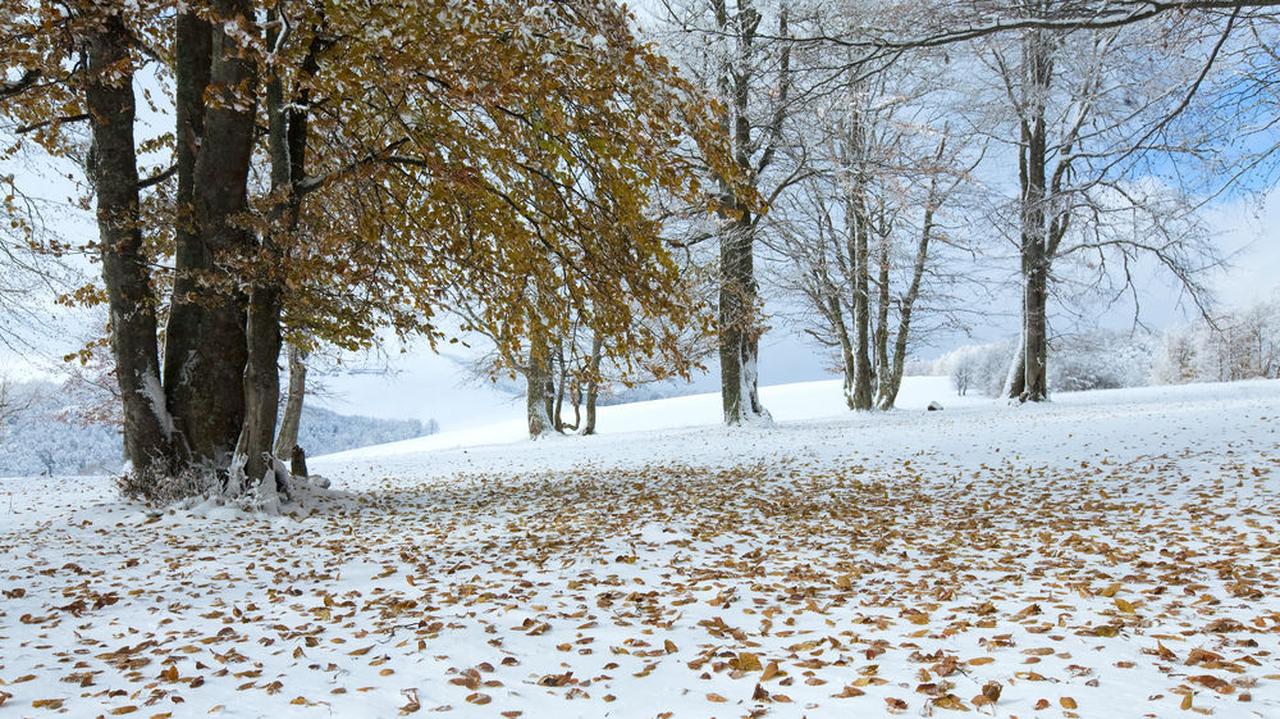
(538, 395)
(287, 438)
(1037, 78)
(113, 169)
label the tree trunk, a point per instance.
(860, 397)
(298, 462)
(575, 398)
(205, 358)
(562, 382)
(890, 386)
(261, 383)
(1036, 351)
(537, 374)
(592, 396)
(549, 392)
(1038, 72)
(263, 334)
(287, 439)
(882, 373)
(192, 60)
(835, 314)
(739, 339)
(593, 383)
(113, 169)
(857, 223)
(739, 342)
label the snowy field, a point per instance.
(1111, 554)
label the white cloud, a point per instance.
(1249, 236)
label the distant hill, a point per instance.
(324, 431)
(39, 438)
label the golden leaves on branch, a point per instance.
(521, 181)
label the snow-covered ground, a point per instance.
(786, 403)
(1111, 554)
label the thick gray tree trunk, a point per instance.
(261, 382)
(538, 390)
(1037, 78)
(192, 60)
(113, 169)
(205, 358)
(739, 340)
(859, 397)
(740, 326)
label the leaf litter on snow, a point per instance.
(1083, 584)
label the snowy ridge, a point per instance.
(810, 417)
(786, 403)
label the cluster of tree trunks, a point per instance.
(216, 408)
(859, 304)
(874, 353)
(554, 375)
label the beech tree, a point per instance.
(1100, 95)
(740, 51)
(577, 354)
(1085, 106)
(340, 218)
(860, 233)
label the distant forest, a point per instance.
(39, 435)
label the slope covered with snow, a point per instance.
(1111, 554)
(786, 403)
